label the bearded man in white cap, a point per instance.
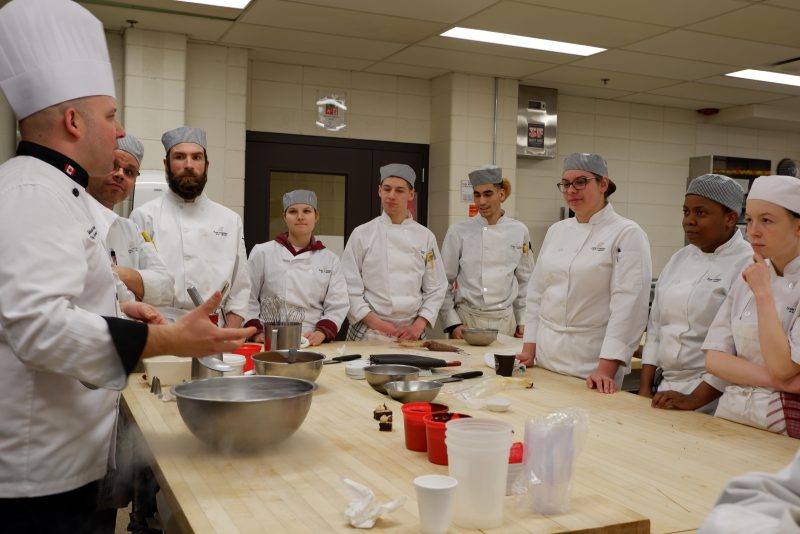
(65, 350)
(395, 277)
(201, 241)
(136, 261)
(488, 261)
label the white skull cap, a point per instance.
(51, 51)
(781, 190)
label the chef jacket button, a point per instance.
(75, 191)
(485, 289)
(747, 314)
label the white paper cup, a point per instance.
(236, 361)
(435, 495)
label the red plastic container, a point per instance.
(434, 435)
(247, 350)
(413, 412)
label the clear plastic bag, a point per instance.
(552, 444)
(475, 396)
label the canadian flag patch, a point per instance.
(69, 169)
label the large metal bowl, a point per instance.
(244, 412)
(413, 390)
(378, 375)
(293, 363)
(479, 336)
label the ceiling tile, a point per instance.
(448, 11)
(758, 22)
(714, 48)
(454, 60)
(302, 58)
(413, 71)
(291, 15)
(673, 13)
(652, 65)
(198, 28)
(729, 95)
(576, 90)
(594, 78)
(671, 102)
(282, 39)
(560, 25)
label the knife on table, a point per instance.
(340, 359)
(458, 377)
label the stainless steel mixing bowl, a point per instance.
(378, 375)
(479, 336)
(413, 390)
(294, 363)
(244, 412)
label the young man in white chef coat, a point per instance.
(135, 261)
(65, 351)
(488, 262)
(201, 241)
(395, 277)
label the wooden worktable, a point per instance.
(638, 464)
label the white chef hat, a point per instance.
(781, 190)
(184, 134)
(51, 51)
(299, 196)
(132, 146)
(399, 170)
(489, 174)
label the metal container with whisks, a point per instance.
(283, 325)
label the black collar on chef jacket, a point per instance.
(58, 160)
(129, 337)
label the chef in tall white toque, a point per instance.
(691, 288)
(394, 272)
(65, 350)
(488, 261)
(201, 241)
(589, 292)
(135, 260)
(753, 345)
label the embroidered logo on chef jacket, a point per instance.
(69, 169)
(599, 247)
(714, 279)
(219, 231)
(92, 233)
(325, 271)
(791, 309)
(518, 247)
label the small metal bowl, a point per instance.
(378, 375)
(479, 336)
(292, 363)
(413, 390)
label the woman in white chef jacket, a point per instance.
(488, 262)
(754, 341)
(298, 268)
(588, 295)
(690, 290)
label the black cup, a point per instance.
(504, 364)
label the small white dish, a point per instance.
(498, 404)
(304, 342)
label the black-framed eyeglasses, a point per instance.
(578, 184)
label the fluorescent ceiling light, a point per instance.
(522, 41)
(766, 76)
(236, 4)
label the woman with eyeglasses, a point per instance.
(588, 295)
(690, 291)
(754, 342)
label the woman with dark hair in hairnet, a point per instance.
(690, 290)
(588, 295)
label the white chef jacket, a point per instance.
(312, 280)
(202, 244)
(124, 238)
(394, 270)
(735, 331)
(765, 503)
(589, 293)
(55, 283)
(689, 292)
(489, 263)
